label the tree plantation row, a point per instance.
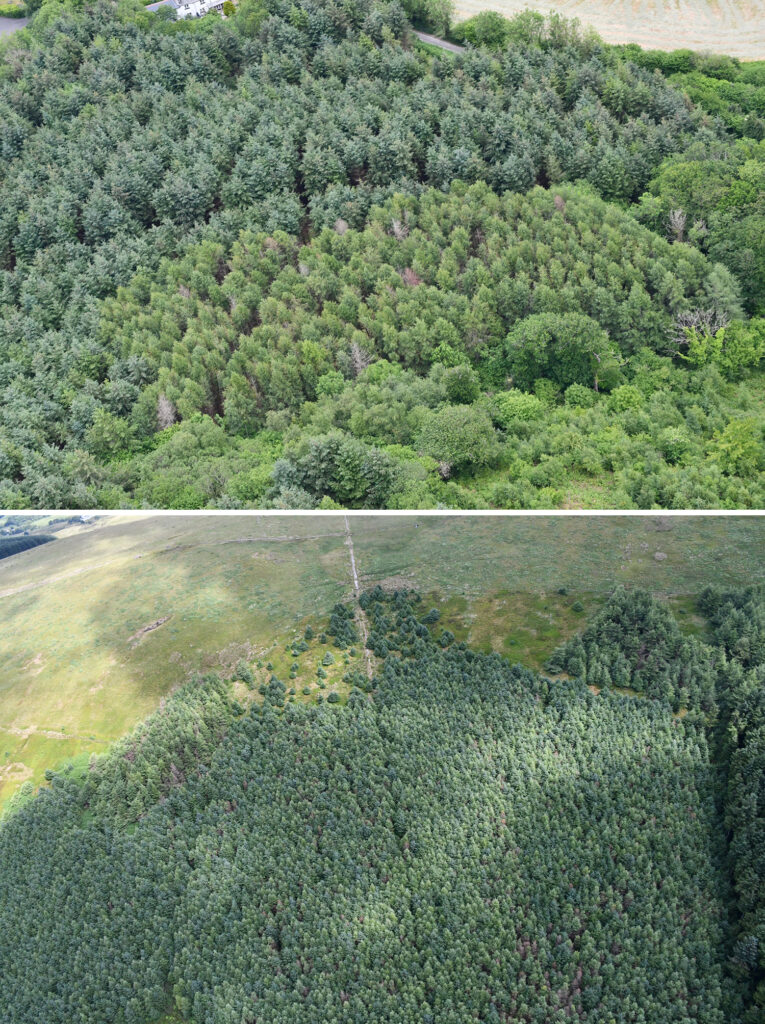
(289, 260)
(461, 839)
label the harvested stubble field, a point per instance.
(733, 27)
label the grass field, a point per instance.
(734, 27)
(80, 664)
(72, 664)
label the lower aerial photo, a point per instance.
(358, 768)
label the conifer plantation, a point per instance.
(461, 839)
(293, 259)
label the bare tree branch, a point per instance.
(360, 359)
(677, 222)
(165, 412)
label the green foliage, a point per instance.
(461, 384)
(148, 765)
(108, 435)
(487, 28)
(635, 642)
(740, 448)
(157, 177)
(229, 248)
(343, 292)
(718, 191)
(732, 348)
(515, 405)
(528, 28)
(723, 86)
(738, 619)
(14, 9)
(342, 628)
(434, 14)
(330, 384)
(244, 673)
(567, 348)
(674, 444)
(458, 436)
(580, 397)
(627, 396)
(334, 466)
(10, 546)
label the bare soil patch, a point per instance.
(35, 665)
(141, 633)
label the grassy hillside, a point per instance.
(79, 665)
(77, 670)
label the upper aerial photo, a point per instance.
(350, 254)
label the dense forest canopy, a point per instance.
(462, 838)
(185, 311)
(635, 642)
(15, 545)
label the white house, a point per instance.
(188, 8)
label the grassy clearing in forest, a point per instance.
(79, 666)
(307, 684)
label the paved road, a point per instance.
(442, 43)
(8, 25)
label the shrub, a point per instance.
(625, 397)
(459, 437)
(461, 383)
(516, 405)
(673, 443)
(331, 383)
(488, 28)
(580, 397)
(566, 348)
(739, 448)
